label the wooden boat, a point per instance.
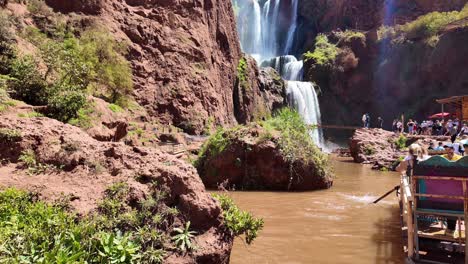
(436, 192)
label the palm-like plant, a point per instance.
(183, 238)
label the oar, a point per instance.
(388, 193)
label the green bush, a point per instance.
(10, 135)
(243, 73)
(28, 157)
(83, 117)
(6, 40)
(369, 150)
(74, 67)
(115, 108)
(237, 221)
(26, 82)
(430, 24)
(349, 35)
(120, 232)
(35, 232)
(112, 70)
(400, 142)
(65, 104)
(324, 53)
(295, 142)
(426, 27)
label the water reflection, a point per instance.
(332, 226)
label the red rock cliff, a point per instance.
(184, 55)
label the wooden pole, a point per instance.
(465, 211)
(408, 201)
(409, 217)
(443, 117)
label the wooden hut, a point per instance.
(458, 105)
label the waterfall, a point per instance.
(249, 27)
(302, 96)
(260, 29)
(292, 28)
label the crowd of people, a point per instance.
(452, 128)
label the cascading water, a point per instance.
(302, 96)
(292, 28)
(260, 29)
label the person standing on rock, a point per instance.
(364, 120)
(410, 126)
(399, 127)
(380, 122)
(368, 120)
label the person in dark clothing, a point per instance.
(453, 133)
(431, 146)
(368, 120)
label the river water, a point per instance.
(338, 225)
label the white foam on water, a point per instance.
(365, 199)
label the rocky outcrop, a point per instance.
(257, 92)
(379, 147)
(376, 147)
(84, 168)
(252, 160)
(184, 56)
(92, 7)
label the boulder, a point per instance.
(253, 160)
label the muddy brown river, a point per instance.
(338, 225)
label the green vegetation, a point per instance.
(294, 140)
(369, 150)
(215, 145)
(83, 117)
(183, 237)
(9, 135)
(67, 66)
(400, 142)
(30, 114)
(348, 35)
(120, 232)
(239, 222)
(324, 53)
(29, 159)
(115, 108)
(243, 73)
(426, 27)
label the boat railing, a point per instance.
(436, 190)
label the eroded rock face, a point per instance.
(375, 146)
(250, 163)
(183, 53)
(184, 56)
(88, 167)
(260, 95)
(93, 7)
